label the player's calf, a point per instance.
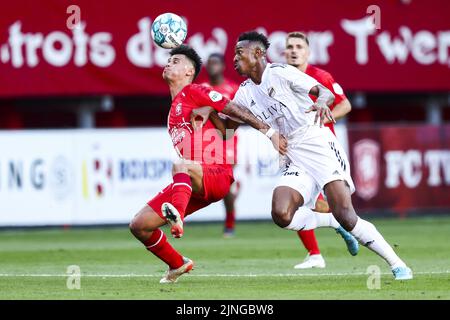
(343, 211)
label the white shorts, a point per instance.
(316, 158)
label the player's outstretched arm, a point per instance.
(226, 126)
(233, 110)
(199, 116)
(325, 99)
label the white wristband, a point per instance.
(270, 133)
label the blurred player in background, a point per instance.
(297, 54)
(279, 94)
(215, 67)
(199, 178)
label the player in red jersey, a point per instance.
(215, 67)
(297, 54)
(202, 176)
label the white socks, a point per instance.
(366, 233)
(306, 219)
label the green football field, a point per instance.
(256, 264)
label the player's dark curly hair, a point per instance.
(217, 55)
(255, 36)
(191, 54)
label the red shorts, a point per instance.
(217, 180)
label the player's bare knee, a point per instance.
(345, 215)
(281, 216)
(135, 227)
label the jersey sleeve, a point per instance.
(299, 81)
(205, 96)
(239, 98)
(328, 81)
(235, 87)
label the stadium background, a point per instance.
(83, 141)
(83, 110)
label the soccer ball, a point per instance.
(169, 30)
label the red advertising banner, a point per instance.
(57, 47)
(401, 168)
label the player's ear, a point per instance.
(190, 71)
(257, 52)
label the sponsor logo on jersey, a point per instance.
(215, 96)
(178, 109)
(337, 88)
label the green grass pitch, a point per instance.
(256, 264)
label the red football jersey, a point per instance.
(228, 89)
(204, 145)
(326, 79)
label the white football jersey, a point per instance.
(281, 99)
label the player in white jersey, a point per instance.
(277, 94)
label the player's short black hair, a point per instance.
(255, 36)
(191, 54)
(217, 55)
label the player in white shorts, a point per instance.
(278, 94)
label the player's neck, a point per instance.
(216, 81)
(257, 72)
(176, 87)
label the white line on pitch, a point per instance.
(12, 275)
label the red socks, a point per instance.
(309, 241)
(181, 192)
(229, 220)
(158, 245)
